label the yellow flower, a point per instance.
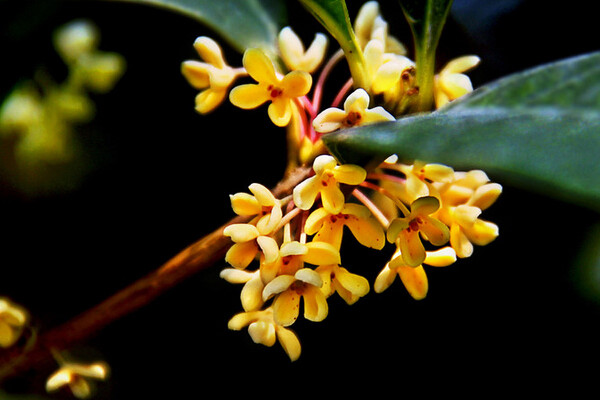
(409, 229)
(291, 256)
(264, 330)
(281, 92)
(329, 227)
(451, 83)
(13, 318)
(421, 180)
(328, 176)
(295, 56)
(350, 287)
(213, 76)
(290, 289)
(74, 375)
(463, 201)
(413, 278)
(355, 113)
(262, 204)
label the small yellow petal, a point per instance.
(289, 341)
(314, 222)
(286, 308)
(269, 247)
(240, 233)
(259, 66)
(384, 279)
(249, 96)
(349, 174)
(329, 120)
(321, 253)
(210, 51)
(413, 252)
(280, 111)
(309, 276)
(440, 257)
(315, 304)
(278, 285)
(209, 99)
(415, 281)
(296, 84)
(355, 284)
(459, 242)
(196, 73)
(245, 204)
(333, 199)
(305, 193)
(240, 255)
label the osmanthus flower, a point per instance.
(281, 91)
(13, 318)
(290, 257)
(288, 290)
(355, 113)
(213, 76)
(261, 204)
(451, 83)
(245, 249)
(328, 227)
(325, 182)
(349, 286)
(414, 278)
(75, 376)
(418, 224)
(263, 329)
(295, 56)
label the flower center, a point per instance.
(274, 92)
(413, 225)
(353, 118)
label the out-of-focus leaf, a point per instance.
(242, 23)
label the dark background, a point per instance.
(519, 315)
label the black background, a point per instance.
(514, 317)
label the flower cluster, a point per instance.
(41, 113)
(288, 256)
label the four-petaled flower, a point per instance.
(329, 227)
(288, 290)
(280, 91)
(355, 113)
(74, 376)
(328, 175)
(414, 278)
(213, 76)
(263, 329)
(451, 83)
(349, 286)
(262, 204)
(418, 223)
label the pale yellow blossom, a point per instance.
(355, 113)
(295, 56)
(74, 376)
(451, 82)
(13, 318)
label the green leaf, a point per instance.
(570, 83)
(242, 23)
(333, 15)
(538, 130)
(426, 19)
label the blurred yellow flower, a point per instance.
(13, 319)
(295, 56)
(213, 76)
(451, 83)
(74, 376)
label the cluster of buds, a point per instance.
(41, 113)
(288, 256)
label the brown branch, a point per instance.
(196, 257)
